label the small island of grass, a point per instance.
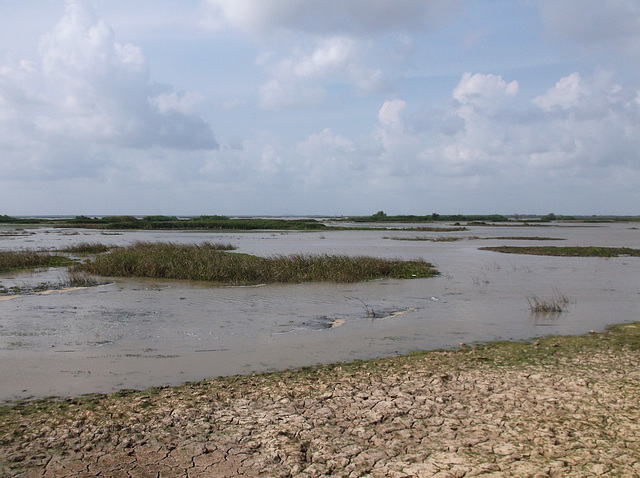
(571, 251)
(212, 263)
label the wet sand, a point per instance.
(559, 406)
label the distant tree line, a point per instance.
(200, 222)
(381, 216)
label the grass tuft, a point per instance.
(554, 305)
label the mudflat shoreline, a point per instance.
(559, 406)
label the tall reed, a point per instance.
(554, 305)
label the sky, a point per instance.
(300, 107)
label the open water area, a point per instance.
(142, 333)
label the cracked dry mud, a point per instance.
(563, 406)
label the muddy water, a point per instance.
(141, 333)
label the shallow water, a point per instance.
(141, 333)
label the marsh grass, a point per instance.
(81, 279)
(30, 259)
(524, 238)
(436, 229)
(200, 222)
(211, 262)
(588, 251)
(553, 305)
(88, 248)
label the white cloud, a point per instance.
(90, 91)
(596, 135)
(596, 24)
(366, 103)
(298, 79)
(390, 113)
(355, 16)
(184, 103)
(330, 54)
(327, 160)
(281, 93)
(313, 46)
(564, 94)
(484, 91)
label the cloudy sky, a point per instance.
(304, 107)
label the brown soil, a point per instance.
(563, 406)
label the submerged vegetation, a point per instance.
(554, 305)
(571, 251)
(68, 280)
(209, 262)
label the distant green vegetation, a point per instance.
(381, 216)
(4, 219)
(589, 251)
(200, 222)
(207, 262)
(247, 223)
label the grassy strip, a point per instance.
(525, 238)
(435, 229)
(590, 251)
(206, 262)
(27, 259)
(468, 238)
(201, 222)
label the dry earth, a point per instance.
(563, 406)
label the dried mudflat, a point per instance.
(561, 406)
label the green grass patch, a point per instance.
(206, 262)
(589, 251)
(553, 348)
